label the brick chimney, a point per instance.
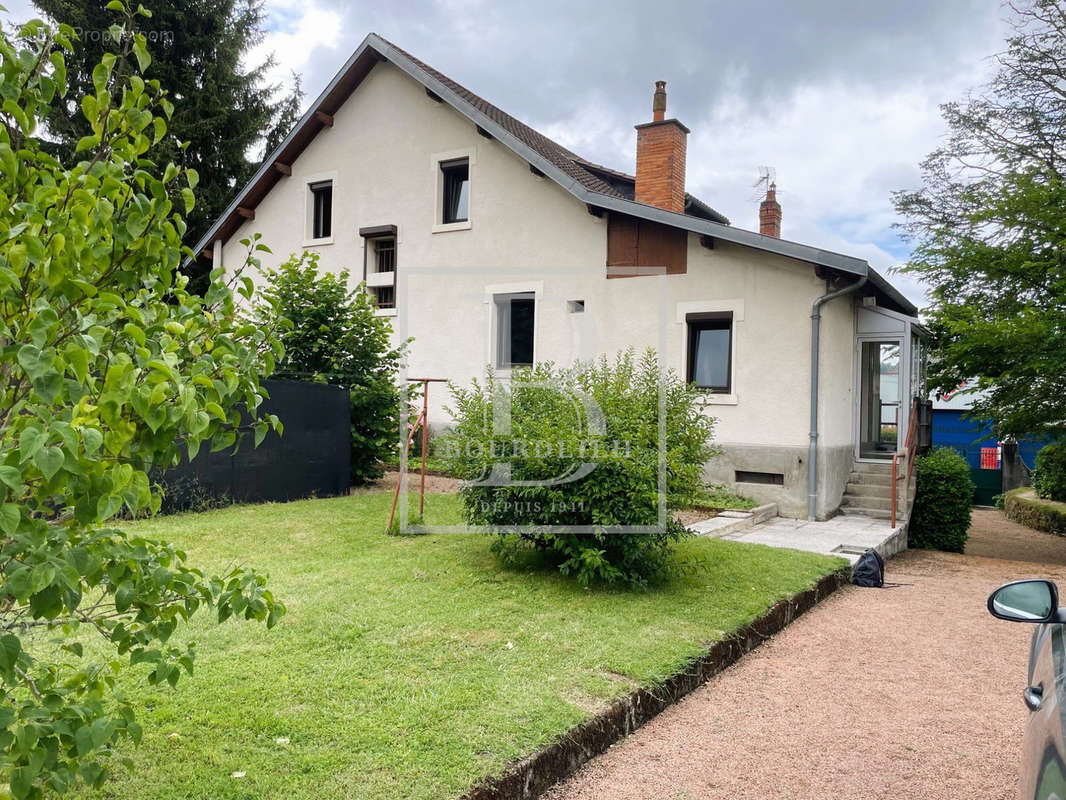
(770, 213)
(661, 146)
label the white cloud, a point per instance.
(296, 29)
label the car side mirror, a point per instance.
(1026, 601)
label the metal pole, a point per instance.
(425, 426)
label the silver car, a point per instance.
(1037, 602)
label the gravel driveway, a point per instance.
(905, 692)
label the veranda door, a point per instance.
(880, 397)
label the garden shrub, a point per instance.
(333, 336)
(1049, 474)
(611, 448)
(1024, 507)
(942, 503)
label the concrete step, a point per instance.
(875, 513)
(869, 489)
(874, 478)
(873, 467)
(866, 501)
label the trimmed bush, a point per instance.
(610, 449)
(1024, 507)
(1049, 474)
(942, 503)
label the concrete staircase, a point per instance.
(869, 492)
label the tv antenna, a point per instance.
(767, 177)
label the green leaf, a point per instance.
(101, 74)
(87, 143)
(92, 439)
(10, 647)
(10, 516)
(31, 441)
(141, 53)
(124, 595)
(48, 460)
(107, 506)
(11, 477)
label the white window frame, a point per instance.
(470, 154)
(492, 329)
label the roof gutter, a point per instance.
(812, 448)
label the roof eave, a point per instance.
(727, 233)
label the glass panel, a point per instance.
(918, 367)
(514, 325)
(879, 399)
(710, 368)
(456, 192)
(323, 207)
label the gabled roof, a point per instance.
(596, 186)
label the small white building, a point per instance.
(491, 244)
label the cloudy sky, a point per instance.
(840, 98)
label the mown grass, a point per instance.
(412, 666)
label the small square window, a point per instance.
(710, 348)
(384, 255)
(321, 209)
(455, 192)
(514, 329)
(575, 306)
(384, 296)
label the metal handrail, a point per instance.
(910, 447)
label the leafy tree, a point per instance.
(222, 109)
(333, 336)
(989, 232)
(108, 366)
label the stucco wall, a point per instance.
(528, 234)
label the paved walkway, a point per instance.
(847, 536)
(905, 692)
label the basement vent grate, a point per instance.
(770, 478)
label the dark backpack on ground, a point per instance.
(869, 570)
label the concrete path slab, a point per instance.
(847, 535)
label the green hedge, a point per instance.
(942, 503)
(1049, 474)
(551, 434)
(1023, 506)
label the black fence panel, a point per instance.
(311, 458)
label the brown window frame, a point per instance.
(715, 321)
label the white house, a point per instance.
(490, 243)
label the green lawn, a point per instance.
(412, 666)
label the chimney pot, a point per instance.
(658, 102)
(661, 145)
(770, 213)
